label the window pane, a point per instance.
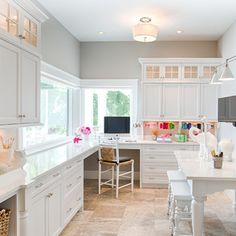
(105, 102)
(54, 115)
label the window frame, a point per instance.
(70, 82)
(131, 84)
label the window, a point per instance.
(105, 102)
(54, 111)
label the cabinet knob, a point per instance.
(23, 116)
(20, 116)
(49, 195)
(21, 36)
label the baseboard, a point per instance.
(93, 174)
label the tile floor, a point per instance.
(143, 213)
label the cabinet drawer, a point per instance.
(73, 202)
(160, 157)
(156, 179)
(44, 182)
(159, 168)
(70, 167)
(71, 182)
(166, 148)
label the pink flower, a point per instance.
(85, 130)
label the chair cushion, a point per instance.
(123, 159)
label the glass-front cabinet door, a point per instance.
(171, 72)
(9, 18)
(30, 31)
(152, 71)
(190, 72)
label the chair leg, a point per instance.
(112, 176)
(99, 177)
(117, 180)
(132, 176)
(169, 200)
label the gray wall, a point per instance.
(59, 47)
(227, 48)
(111, 60)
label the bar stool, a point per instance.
(180, 204)
(173, 176)
(109, 156)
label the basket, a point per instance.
(4, 221)
(218, 162)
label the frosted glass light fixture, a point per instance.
(215, 78)
(145, 31)
(227, 74)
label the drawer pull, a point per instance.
(39, 185)
(68, 167)
(57, 174)
(69, 185)
(69, 210)
(49, 195)
(78, 199)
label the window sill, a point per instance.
(47, 145)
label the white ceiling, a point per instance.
(199, 19)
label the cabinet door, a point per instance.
(190, 72)
(171, 101)
(232, 108)
(9, 21)
(209, 101)
(152, 94)
(30, 30)
(190, 102)
(152, 71)
(30, 88)
(171, 72)
(54, 211)
(9, 80)
(38, 216)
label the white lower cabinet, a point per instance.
(54, 199)
(44, 218)
(157, 160)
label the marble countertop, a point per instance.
(195, 168)
(42, 162)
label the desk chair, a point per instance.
(109, 156)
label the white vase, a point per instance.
(86, 138)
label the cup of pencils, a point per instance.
(217, 159)
(7, 148)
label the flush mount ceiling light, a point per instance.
(226, 74)
(179, 31)
(145, 31)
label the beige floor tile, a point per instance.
(143, 213)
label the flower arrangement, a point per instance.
(83, 130)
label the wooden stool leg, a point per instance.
(99, 177)
(112, 176)
(117, 180)
(132, 176)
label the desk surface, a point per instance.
(195, 168)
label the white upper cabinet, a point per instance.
(170, 100)
(209, 101)
(152, 101)
(178, 69)
(19, 26)
(179, 89)
(9, 79)
(20, 32)
(30, 84)
(190, 102)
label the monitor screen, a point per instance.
(116, 125)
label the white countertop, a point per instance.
(41, 163)
(196, 168)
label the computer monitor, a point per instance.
(116, 125)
